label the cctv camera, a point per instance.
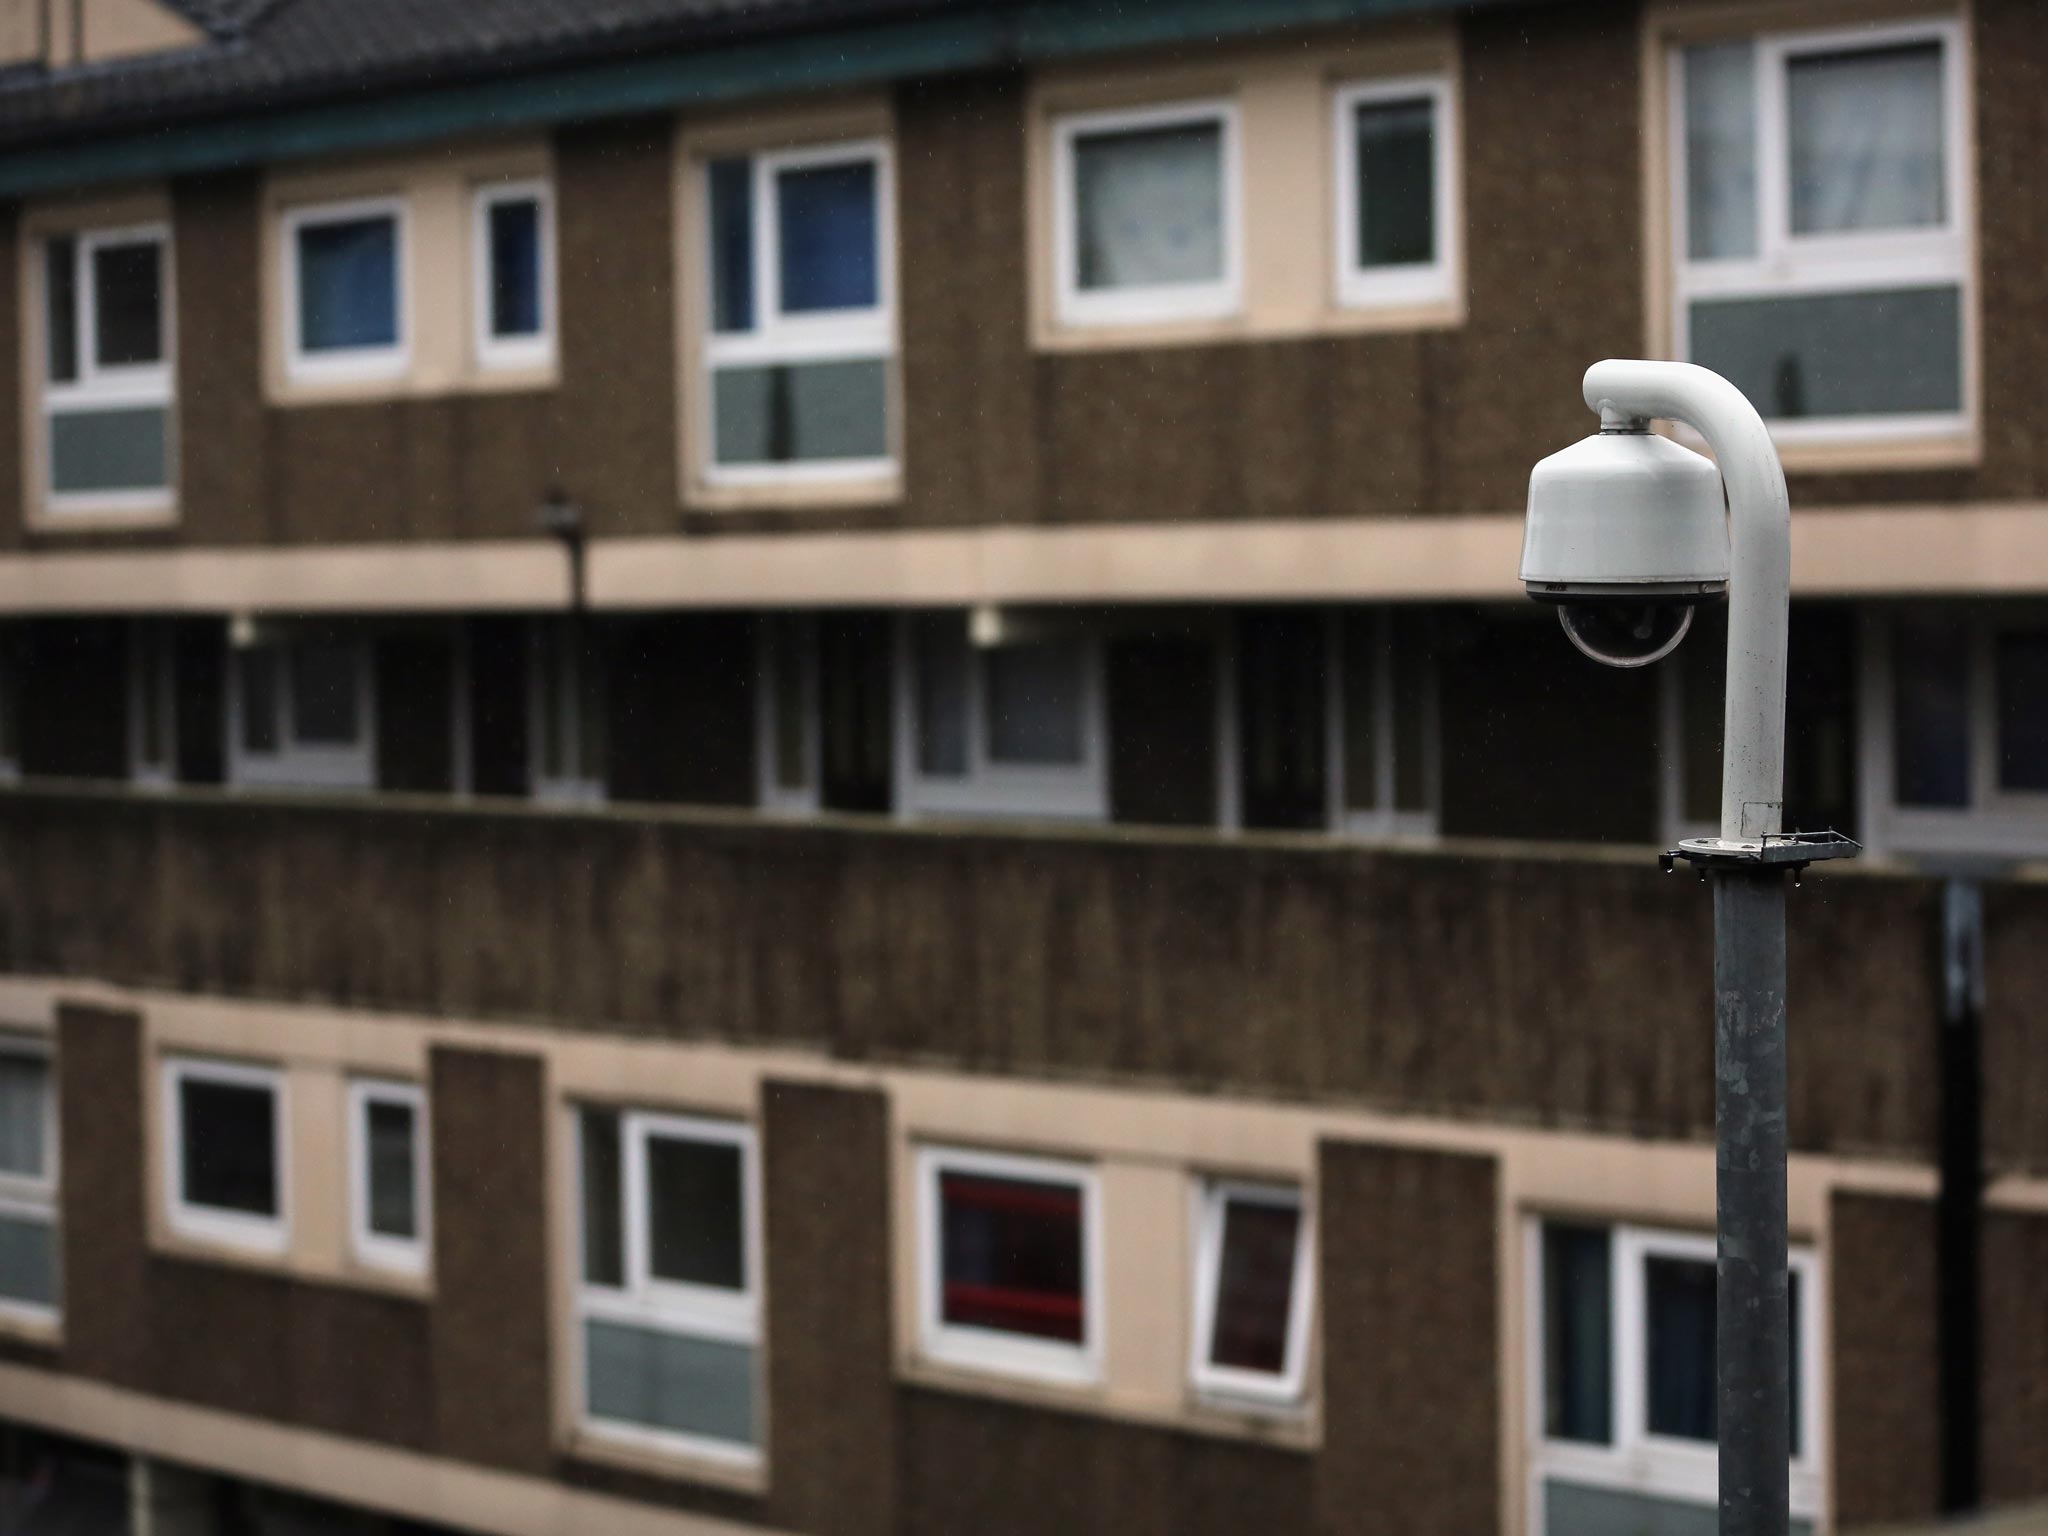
(1627, 531)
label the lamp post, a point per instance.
(1626, 534)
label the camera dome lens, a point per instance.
(1621, 633)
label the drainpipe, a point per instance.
(1959, 1209)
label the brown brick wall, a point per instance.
(1885, 1358)
(490, 1363)
(1547, 989)
(832, 1399)
(1411, 1342)
(2015, 1374)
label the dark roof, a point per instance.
(264, 54)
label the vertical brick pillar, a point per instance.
(831, 1389)
(103, 1199)
(1411, 1342)
(1885, 1414)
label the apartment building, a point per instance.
(774, 766)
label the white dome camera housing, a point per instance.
(1627, 531)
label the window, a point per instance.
(1145, 214)
(345, 290)
(1254, 1279)
(152, 703)
(669, 1303)
(1010, 1255)
(226, 1166)
(801, 344)
(513, 240)
(1822, 225)
(790, 749)
(1014, 727)
(1625, 1426)
(301, 712)
(1396, 204)
(567, 702)
(28, 1180)
(388, 1182)
(1967, 753)
(107, 370)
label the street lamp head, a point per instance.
(1627, 531)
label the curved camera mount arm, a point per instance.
(1759, 572)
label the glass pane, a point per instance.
(1679, 1299)
(515, 267)
(28, 1260)
(257, 679)
(1866, 135)
(604, 1243)
(1361, 661)
(731, 184)
(666, 1381)
(1010, 1255)
(1396, 182)
(1930, 712)
(229, 1145)
(2023, 710)
(393, 1171)
(348, 284)
(828, 257)
(127, 285)
(24, 1115)
(1034, 701)
(789, 710)
(696, 1221)
(125, 449)
(1578, 1334)
(325, 708)
(1720, 150)
(1255, 1286)
(1148, 206)
(802, 412)
(1412, 788)
(60, 308)
(939, 641)
(1893, 351)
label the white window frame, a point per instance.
(152, 639)
(774, 658)
(991, 788)
(689, 1311)
(1997, 821)
(1232, 1385)
(380, 1250)
(347, 364)
(1638, 1462)
(495, 352)
(580, 787)
(100, 388)
(1425, 282)
(1384, 821)
(1788, 265)
(861, 333)
(990, 1349)
(295, 765)
(209, 1224)
(1154, 303)
(35, 1199)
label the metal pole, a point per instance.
(1752, 1354)
(1752, 1343)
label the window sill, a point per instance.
(795, 495)
(19, 1326)
(88, 517)
(1333, 319)
(346, 1272)
(289, 393)
(597, 1448)
(1961, 449)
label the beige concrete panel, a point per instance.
(121, 29)
(318, 1133)
(21, 31)
(1147, 1281)
(397, 1482)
